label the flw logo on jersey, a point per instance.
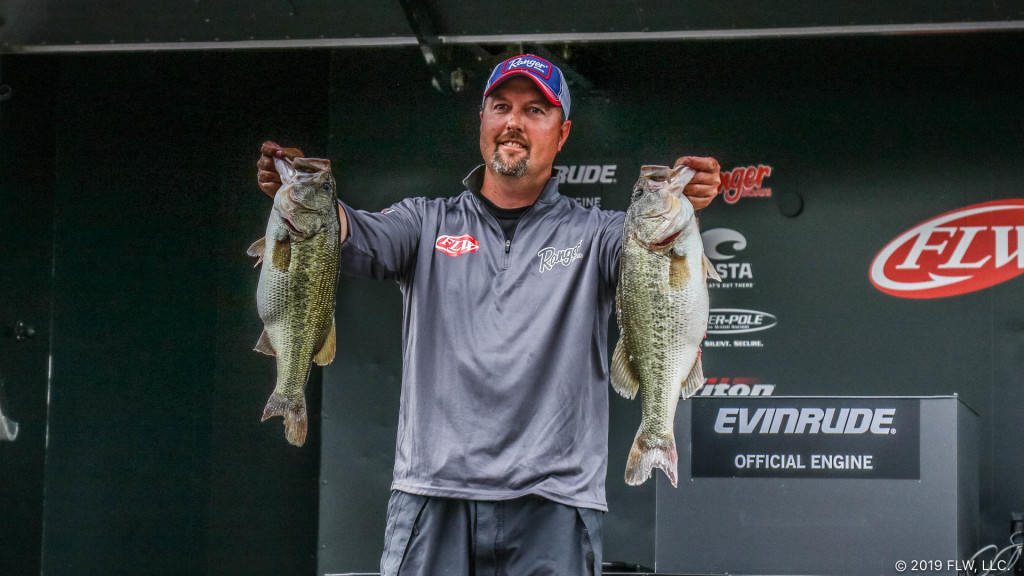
(456, 245)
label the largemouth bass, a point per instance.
(295, 296)
(661, 304)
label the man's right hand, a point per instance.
(266, 176)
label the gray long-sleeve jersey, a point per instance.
(505, 369)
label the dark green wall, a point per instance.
(126, 189)
(157, 460)
(27, 160)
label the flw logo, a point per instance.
(456, 245)
(955, 253)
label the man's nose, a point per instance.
(512, 122)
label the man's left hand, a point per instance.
(703, 188)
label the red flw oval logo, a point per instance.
(955, 253)
(456, 245)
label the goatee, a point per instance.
(516, 169)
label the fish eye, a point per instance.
(327, 187)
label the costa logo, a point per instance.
(456, 245)
(955, 253)
(726, 244)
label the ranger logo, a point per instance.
(456, 245)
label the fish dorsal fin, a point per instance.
(281, 256)
(264, 345)
(624, 379)
(326, 354)
(257, 249)
(709, 269)
(694, 381)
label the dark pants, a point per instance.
(529, 536)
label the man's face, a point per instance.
(520, 131)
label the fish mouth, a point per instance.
(290, 225)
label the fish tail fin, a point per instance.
(624, 380)
(294, 414)
(649, 453)
(694, 381)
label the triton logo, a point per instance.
(805, 421)
(456, 245)
(955, 253)
(587, 174)
(738, 387)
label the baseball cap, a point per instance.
(546, 75)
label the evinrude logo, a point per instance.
(550, 256)
(587, 174)
(532, 63)
(955, 253)
(745, 182)
(805, 421)
(456, 245)
(723, 245)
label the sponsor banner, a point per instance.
(735, 387)
(723, 246)
(954, 253)
(587, 174)
(735, 322)
(588, 201)
(806, 438)
(745, 182)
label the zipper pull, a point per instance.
(508, 246)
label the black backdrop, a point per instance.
(126, 192)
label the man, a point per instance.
(502, 437)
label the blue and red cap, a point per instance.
(546, 75)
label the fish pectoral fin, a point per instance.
(281, 256)
(709, 269)
(257, 249)
(694, 381)
(264, 345)
(678, 271)
(326, 354)
(624, 379)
